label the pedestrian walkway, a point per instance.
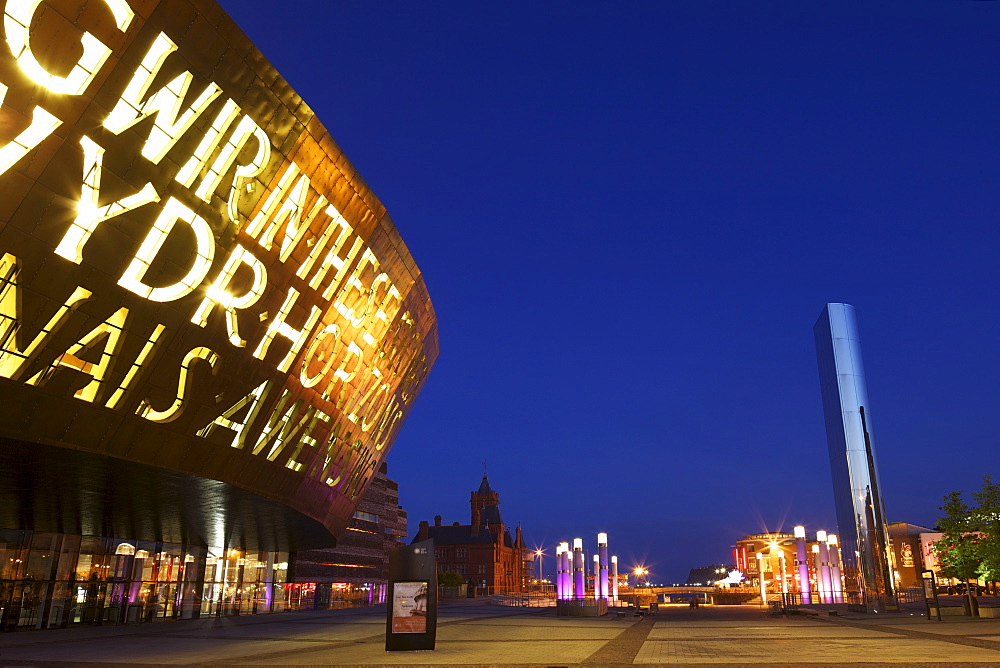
(471, 633)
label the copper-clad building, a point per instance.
(210, 329)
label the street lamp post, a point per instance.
(538, 557)
(640, 573)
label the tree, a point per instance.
(988, 524)
(450, 579)
(958, 549)
(970, 544)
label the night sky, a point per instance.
(629, 216)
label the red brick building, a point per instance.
(483, 552)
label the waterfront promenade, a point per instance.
(471, 633)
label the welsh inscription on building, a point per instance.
(191, 272)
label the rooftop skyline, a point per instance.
(629, 218)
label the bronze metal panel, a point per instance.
(93, 377)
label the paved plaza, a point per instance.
(472, 633)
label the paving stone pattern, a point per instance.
(471, 633)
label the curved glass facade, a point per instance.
(196, 287)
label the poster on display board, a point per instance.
(409, 607)
(411, 612)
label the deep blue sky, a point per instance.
(629, 216)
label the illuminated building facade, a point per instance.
(483, 552)
(913, 551)
(777, 548)
(210, 329)
(790, 564)
(860, 513)
(358, 568)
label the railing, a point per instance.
(910, 595)
(793, 599)
(524, 600)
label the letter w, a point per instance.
(170, 123)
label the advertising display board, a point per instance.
(411, 613)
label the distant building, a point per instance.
(359, 565)
(706, 575)
(778, 549)
(912, 552)
(483, 551)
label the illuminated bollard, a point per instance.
(802, 563)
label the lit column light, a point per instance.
(776, 557)
(835, 576)
(579, 582)
(760, 574)
(819, 578)
(563, 561)
(825, 584)
(597, 577)
(602, 552)
(781, 568)
(567, 572)
(614, 579)
(565, 587)
(802, 563)
(559, 572)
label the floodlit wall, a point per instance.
(192, 274)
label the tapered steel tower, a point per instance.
(860, 513)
